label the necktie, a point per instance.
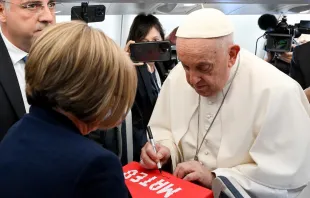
(25, 59)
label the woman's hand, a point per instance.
(127, 49)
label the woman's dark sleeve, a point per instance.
(295, 70)
(103, 177)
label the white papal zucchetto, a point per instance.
(205, 23)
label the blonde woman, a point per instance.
(77, 80)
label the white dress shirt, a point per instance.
(158, 80)
(17, 56)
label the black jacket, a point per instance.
(44, 155)
(142, 109)
(300, 65)
(11, 102)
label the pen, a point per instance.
(153, 145)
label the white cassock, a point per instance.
(261, 137)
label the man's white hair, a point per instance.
(225, 41)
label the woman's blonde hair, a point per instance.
(80, 70)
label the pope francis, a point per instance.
(224, 112)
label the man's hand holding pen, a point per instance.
(156, 155)
(192, 171)
(149, 158)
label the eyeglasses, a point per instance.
(38, 6)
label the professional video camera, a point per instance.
(89, 14)
(280, 35)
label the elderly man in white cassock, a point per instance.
(225, 112)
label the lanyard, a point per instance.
(218, 110)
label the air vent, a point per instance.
(299, 9)
(166, 8)
(173, 8)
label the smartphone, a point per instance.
(150, 51)
(89, 14)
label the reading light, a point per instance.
(304, 12)
(189, 4)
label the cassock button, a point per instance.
(210, 103)
(206, 152)
(209, 116)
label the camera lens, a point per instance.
(163, 48)
(99, 12)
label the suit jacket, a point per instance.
(300, 65)
(44, 155)
(144, 103)
(142, 109)
(11, 101)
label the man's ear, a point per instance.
(233, 54)
(2, 12)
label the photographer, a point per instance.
(145, 28)
(276, 54)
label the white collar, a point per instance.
(15, 53)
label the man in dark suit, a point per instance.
(300, 65)
(20, 21)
